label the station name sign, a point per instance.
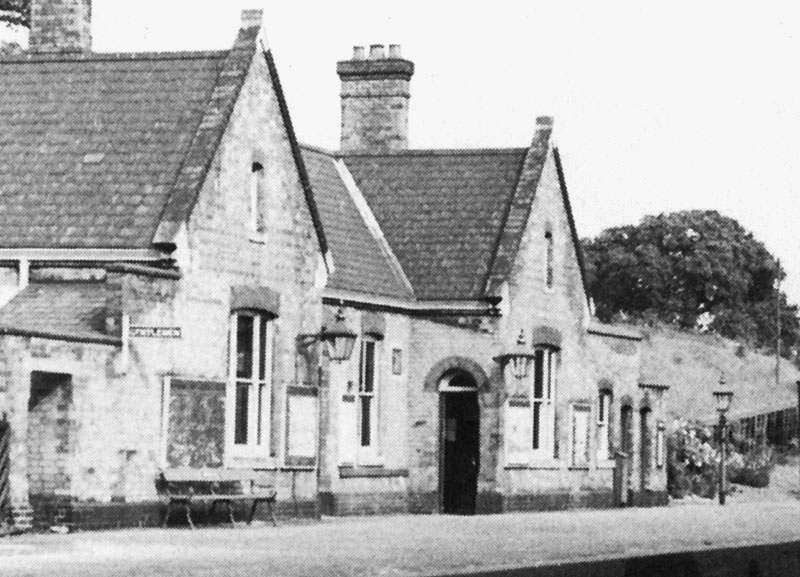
(155, 332)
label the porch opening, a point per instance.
(459, 442)
(50, 440)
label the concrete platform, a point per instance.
(416, 545)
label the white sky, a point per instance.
(657, 108)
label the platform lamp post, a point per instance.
(723, 395)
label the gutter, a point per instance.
(474, 308)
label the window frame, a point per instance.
(257, 214)
(549, 260)
(373, 395)
(544, 434)
(661, 445)
(259, 387)
(605, 402)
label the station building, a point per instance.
(380, 329)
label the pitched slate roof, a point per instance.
(62, 310)
(91, 145)
(111, 150)
(361, 262)
(442, 211)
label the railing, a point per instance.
(5, 467)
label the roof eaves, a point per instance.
(77, 57)
(69, 337)
(302, 172)
(428, 152)
(571, 219)
(209, 133)
(605, 330)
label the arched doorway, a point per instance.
(459, 442)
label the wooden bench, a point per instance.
(212, 487)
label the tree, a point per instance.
(16, 12)
(691, 269)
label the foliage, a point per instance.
(10, 49)
(15, 12)
(693, 461)
(693, 464)
(691, 269)
(752, 468)
(750, 462)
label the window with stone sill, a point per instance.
(250, 382)
(359, 407)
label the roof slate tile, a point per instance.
(132, 116)
(68, 310)
(442, 212)
(360, 262)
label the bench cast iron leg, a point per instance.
(230, 513)
(252, 511)
(272, 513)
(188, 506)
(165, 515)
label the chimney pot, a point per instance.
(377, 51)
(252, 18)
(375, 96)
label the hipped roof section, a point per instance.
(111, 150)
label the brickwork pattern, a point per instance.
(61, 26)
(375, 98)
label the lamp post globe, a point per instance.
(518, 357)
(339, 338)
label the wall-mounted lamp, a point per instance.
(340, 338)
(519, 357)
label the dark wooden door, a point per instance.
(460, 445)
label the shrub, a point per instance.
(693, 462)
(752, 468)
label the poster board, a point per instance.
(581, 419)
(518, 431)
(301, 426)
(195, 431)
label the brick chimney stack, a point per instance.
(59, 26)
(375, 95)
